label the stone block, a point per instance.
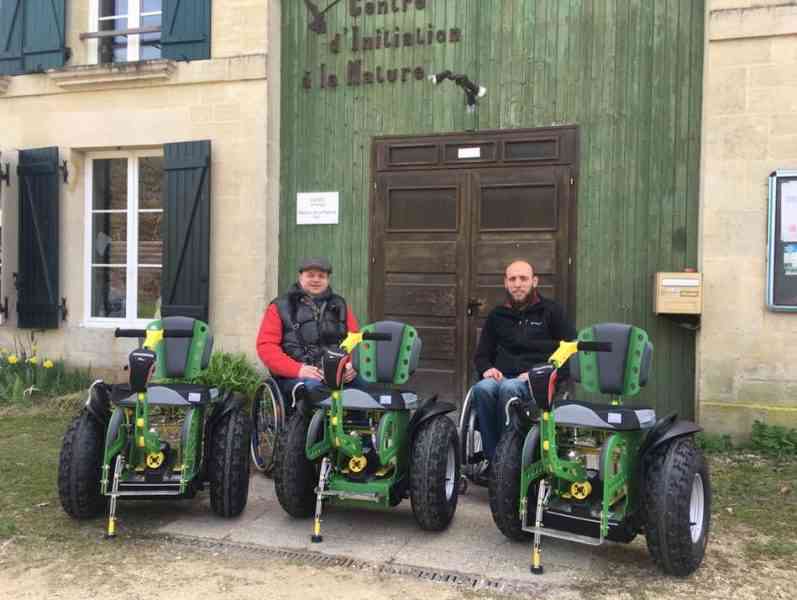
(737, 421)
(726, 90)
(771, 100)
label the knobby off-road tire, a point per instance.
(229, 464)
(504, 486)
(677, 505)
(295, 477)
(434, 473)
(79, 467)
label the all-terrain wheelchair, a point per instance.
(588, 472)
(370, 447)
(159, 435)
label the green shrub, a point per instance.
(713, 442)
(231, 372)
(774, 440)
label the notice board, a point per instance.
(782, 242)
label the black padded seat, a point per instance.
(173, 394)
(376, 398)
(603, 416)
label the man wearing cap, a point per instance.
(300, 325)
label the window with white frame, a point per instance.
(124, 247)
(123, 16)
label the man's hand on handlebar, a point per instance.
(349, 374)
(310, 372)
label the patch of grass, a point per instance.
(772, 549)
(758, 494)
(29, 448)
(7, 528)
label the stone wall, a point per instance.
(745, 363)
(84, 108)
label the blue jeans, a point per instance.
(490, 398)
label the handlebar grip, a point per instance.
(141, 333)
(377, 337)
(595, 346)
(130, 333)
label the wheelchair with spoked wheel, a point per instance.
(271, 409)
(472, 456)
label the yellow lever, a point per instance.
(154, 336)
(563, 353)
(351, 341)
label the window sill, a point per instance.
(114, 323)
(112, 75)
(4, 81)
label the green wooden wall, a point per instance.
(627, 72)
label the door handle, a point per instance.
(474, 305)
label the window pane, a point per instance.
(110, 8)
(151, 5)
(109, 238)
(150, 180)
(108, 292)
(150, 51)
(110, 184)
(150, 246)
(150, 42)
(149, 292)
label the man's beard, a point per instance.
(523, 302)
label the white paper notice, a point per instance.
(469, 152)
(788, 211)
(317, 208)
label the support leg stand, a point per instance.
(117, 473)
(317, 538)
(536, 552)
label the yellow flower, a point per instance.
(12, 359)
(48, 364)
(34, 360)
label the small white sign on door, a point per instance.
(317, 208)
(475, 152)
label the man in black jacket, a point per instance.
(505, 354)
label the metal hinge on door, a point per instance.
(572, 180)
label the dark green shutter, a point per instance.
(37, 273)
(44, 37)
(185, 30)
(11, 26)
(186, 269)
(32, 35)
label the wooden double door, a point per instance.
(449, 213)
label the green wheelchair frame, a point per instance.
(390, 420)
(113, 450)
(589, 472)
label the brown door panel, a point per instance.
(443, 231)
(419, 269)
(521, 213)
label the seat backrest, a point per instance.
(624, 370)
(388, 362)
(182, 357)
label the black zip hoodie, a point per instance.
(504, 339)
